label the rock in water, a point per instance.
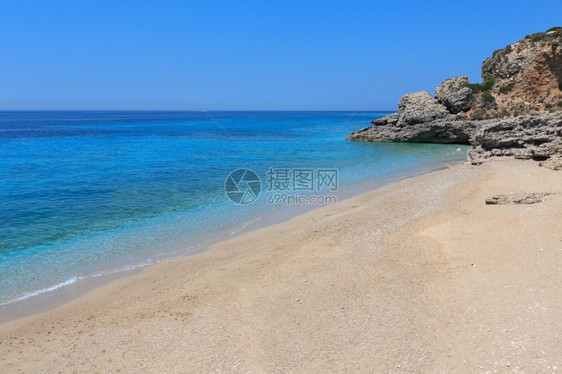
(440, 131)
(421, 119)
(387, 120)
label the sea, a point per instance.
(85, 194)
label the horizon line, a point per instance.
(193, 111)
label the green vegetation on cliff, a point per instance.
(482, 87)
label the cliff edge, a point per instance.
(515, 112)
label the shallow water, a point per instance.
(88, 193)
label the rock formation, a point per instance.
(553, 163)
(455, 94)
(518, 198)
(528, 75)
(439, 131)
(420, 119)
(515, 112)
(533, 136)
(415, 108)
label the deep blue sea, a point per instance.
(90, 193)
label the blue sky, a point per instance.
(244, 55)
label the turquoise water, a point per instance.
(87, 193)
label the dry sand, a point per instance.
(418, 276)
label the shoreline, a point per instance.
(51, 297)
(418, 275)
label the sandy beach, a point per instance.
(418, 276)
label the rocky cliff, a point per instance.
(533, 136)
(420, 119)
(516, 111)
(527, 75)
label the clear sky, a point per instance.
(244, 55)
